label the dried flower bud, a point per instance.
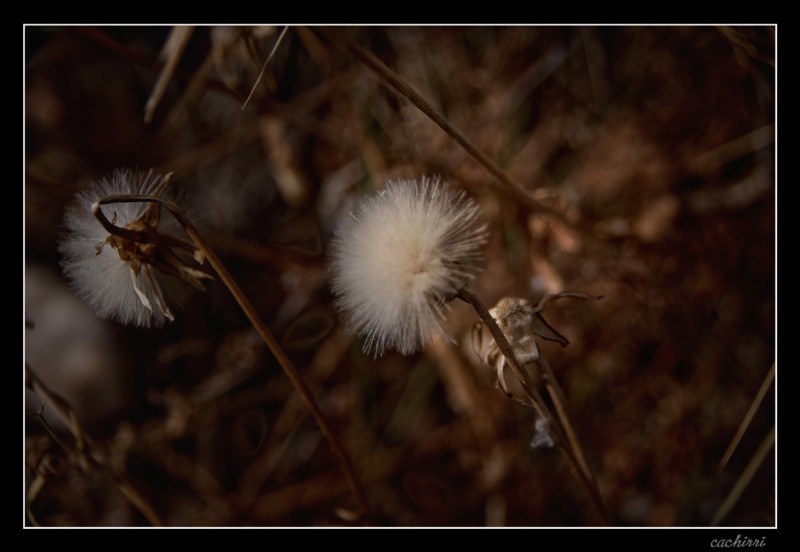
(521, 323)
(125, 260)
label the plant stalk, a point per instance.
(250, 311)
(565, 438)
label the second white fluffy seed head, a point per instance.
(113, 287)
(400, 257)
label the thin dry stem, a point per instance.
(264, 68)
(249, 310)
(748, 417)
(578, 468)
(562, 409)
(396, 83)
(744, 479)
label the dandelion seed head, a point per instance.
(113, 287)
(400, 257)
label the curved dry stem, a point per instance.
(259, 325)
(565, 436)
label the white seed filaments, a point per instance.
(400, 257)
(124, 259)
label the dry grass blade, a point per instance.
(172, 51)
(753, 141)
(264, 68)
(141, 504)
(748, 417)
(744, 479)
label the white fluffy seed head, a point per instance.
(102, 279)
(400, 257)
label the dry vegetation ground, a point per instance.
(653, 146)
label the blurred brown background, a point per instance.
(654, 146)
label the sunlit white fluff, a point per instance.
(105, 281)
(400, 257)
